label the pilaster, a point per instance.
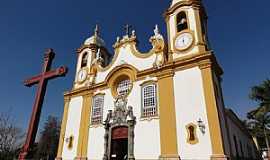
(84, 127)
(168, 135)
(218, 150)
(63, 128)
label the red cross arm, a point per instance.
(61, 71)
(32, 81)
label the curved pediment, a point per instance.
(126, 53)
(124, 69)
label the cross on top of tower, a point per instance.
(127, 29)
(96, 30)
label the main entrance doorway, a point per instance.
(119, 144)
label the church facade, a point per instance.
(166, 104)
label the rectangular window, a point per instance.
(149, 101)
(97, 109)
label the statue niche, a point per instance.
(119, 131)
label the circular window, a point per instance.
(123, 87)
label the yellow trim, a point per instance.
(170, 58)
(132, 45)
(212, 111)
(118, 74)
(121, 77)
(196, 140)
(84, 126)
(148, 82)
(63, 127)
(139, 54)
(199, 27)
(168, 135)
(116, 54)
(183, 63)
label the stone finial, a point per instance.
(156, 30)
(98, 53)
(133, 33)
(118, 39)
(96, 30)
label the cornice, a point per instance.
(203, 60)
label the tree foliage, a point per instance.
(259, 119)
(49, 136)
(261, 94)
(10, 137)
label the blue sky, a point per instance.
(238, 31)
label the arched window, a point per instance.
(69, 141)
(123, 87)
(97, 109)
(181, 21)
(149, 100)
(84, 60)
(191, 131)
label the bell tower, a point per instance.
(187, 28)
(92, 55)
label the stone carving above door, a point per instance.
(121, 116)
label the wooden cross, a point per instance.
(41, 80)
(127, 29)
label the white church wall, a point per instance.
(147, 133)
(126, 56)
(96, 133)
(242, 137)
(190, 107)
(72, 127)
(96, 143)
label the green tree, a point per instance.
(259, 124)
(48, 142)
(261, 94)
(259, 119)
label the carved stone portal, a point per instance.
(119, 123)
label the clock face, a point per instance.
(82, 75)
(183, 41)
